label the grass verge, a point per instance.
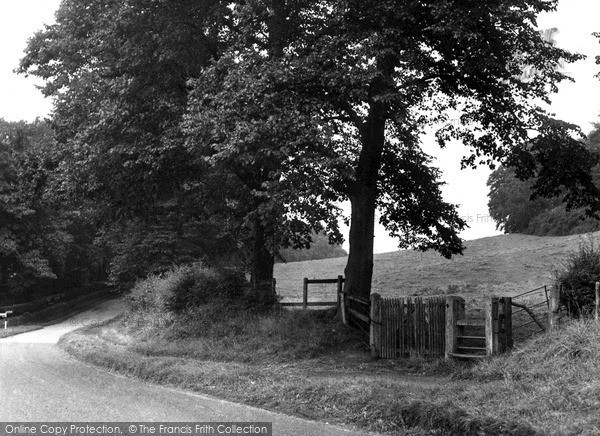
(302, 363)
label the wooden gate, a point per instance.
(408, 327)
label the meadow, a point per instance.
(504, 265)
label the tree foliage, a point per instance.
(515, 207)
(578, 276)
(385, 71)
(32, 241)
(257, 118)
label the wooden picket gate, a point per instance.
(408, 327)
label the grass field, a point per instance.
(503, 265)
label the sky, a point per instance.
(577, 102)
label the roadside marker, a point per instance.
(5, 316)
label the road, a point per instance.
(40, 382)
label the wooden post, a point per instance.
(505, 324)
(597, 309)
(305, 294)
(340, 288)
(491, 326)
(343, 309)
(554, 312)
(375, 326)
(455, 310)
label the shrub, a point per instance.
(579, 274)
(184, 287)
(200, 285)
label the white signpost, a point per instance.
(5, 315)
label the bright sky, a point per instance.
(578, 102)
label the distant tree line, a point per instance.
(320, 248)
(516, 209)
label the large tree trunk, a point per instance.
(359, 268)
(263, 260)
(363, 197)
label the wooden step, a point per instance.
(468, 356)
(460, 347)
(471, 322)
(472, 337)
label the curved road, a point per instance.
(40, 382)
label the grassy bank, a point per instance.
(549, 386)
(302, 363)
(198, 329)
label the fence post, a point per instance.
(491, 326)
(375, 326)
(597, 309)
(554, 312)
(505, 323)
(343, 309)
(455, 310)
(340, 288)
(305, 294)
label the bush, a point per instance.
(202, 285)
(185, 287)
(579, 274)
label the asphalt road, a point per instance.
(40, 382)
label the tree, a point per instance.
(335, 96)
(513, 208)
(262, 136)
(30, 240)
(117, 73)
(386, 70)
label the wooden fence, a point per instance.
(305, 303)
(356, 312)
(428, 326)
(407, 327)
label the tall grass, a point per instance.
(211, 314)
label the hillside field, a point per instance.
(503, 265)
